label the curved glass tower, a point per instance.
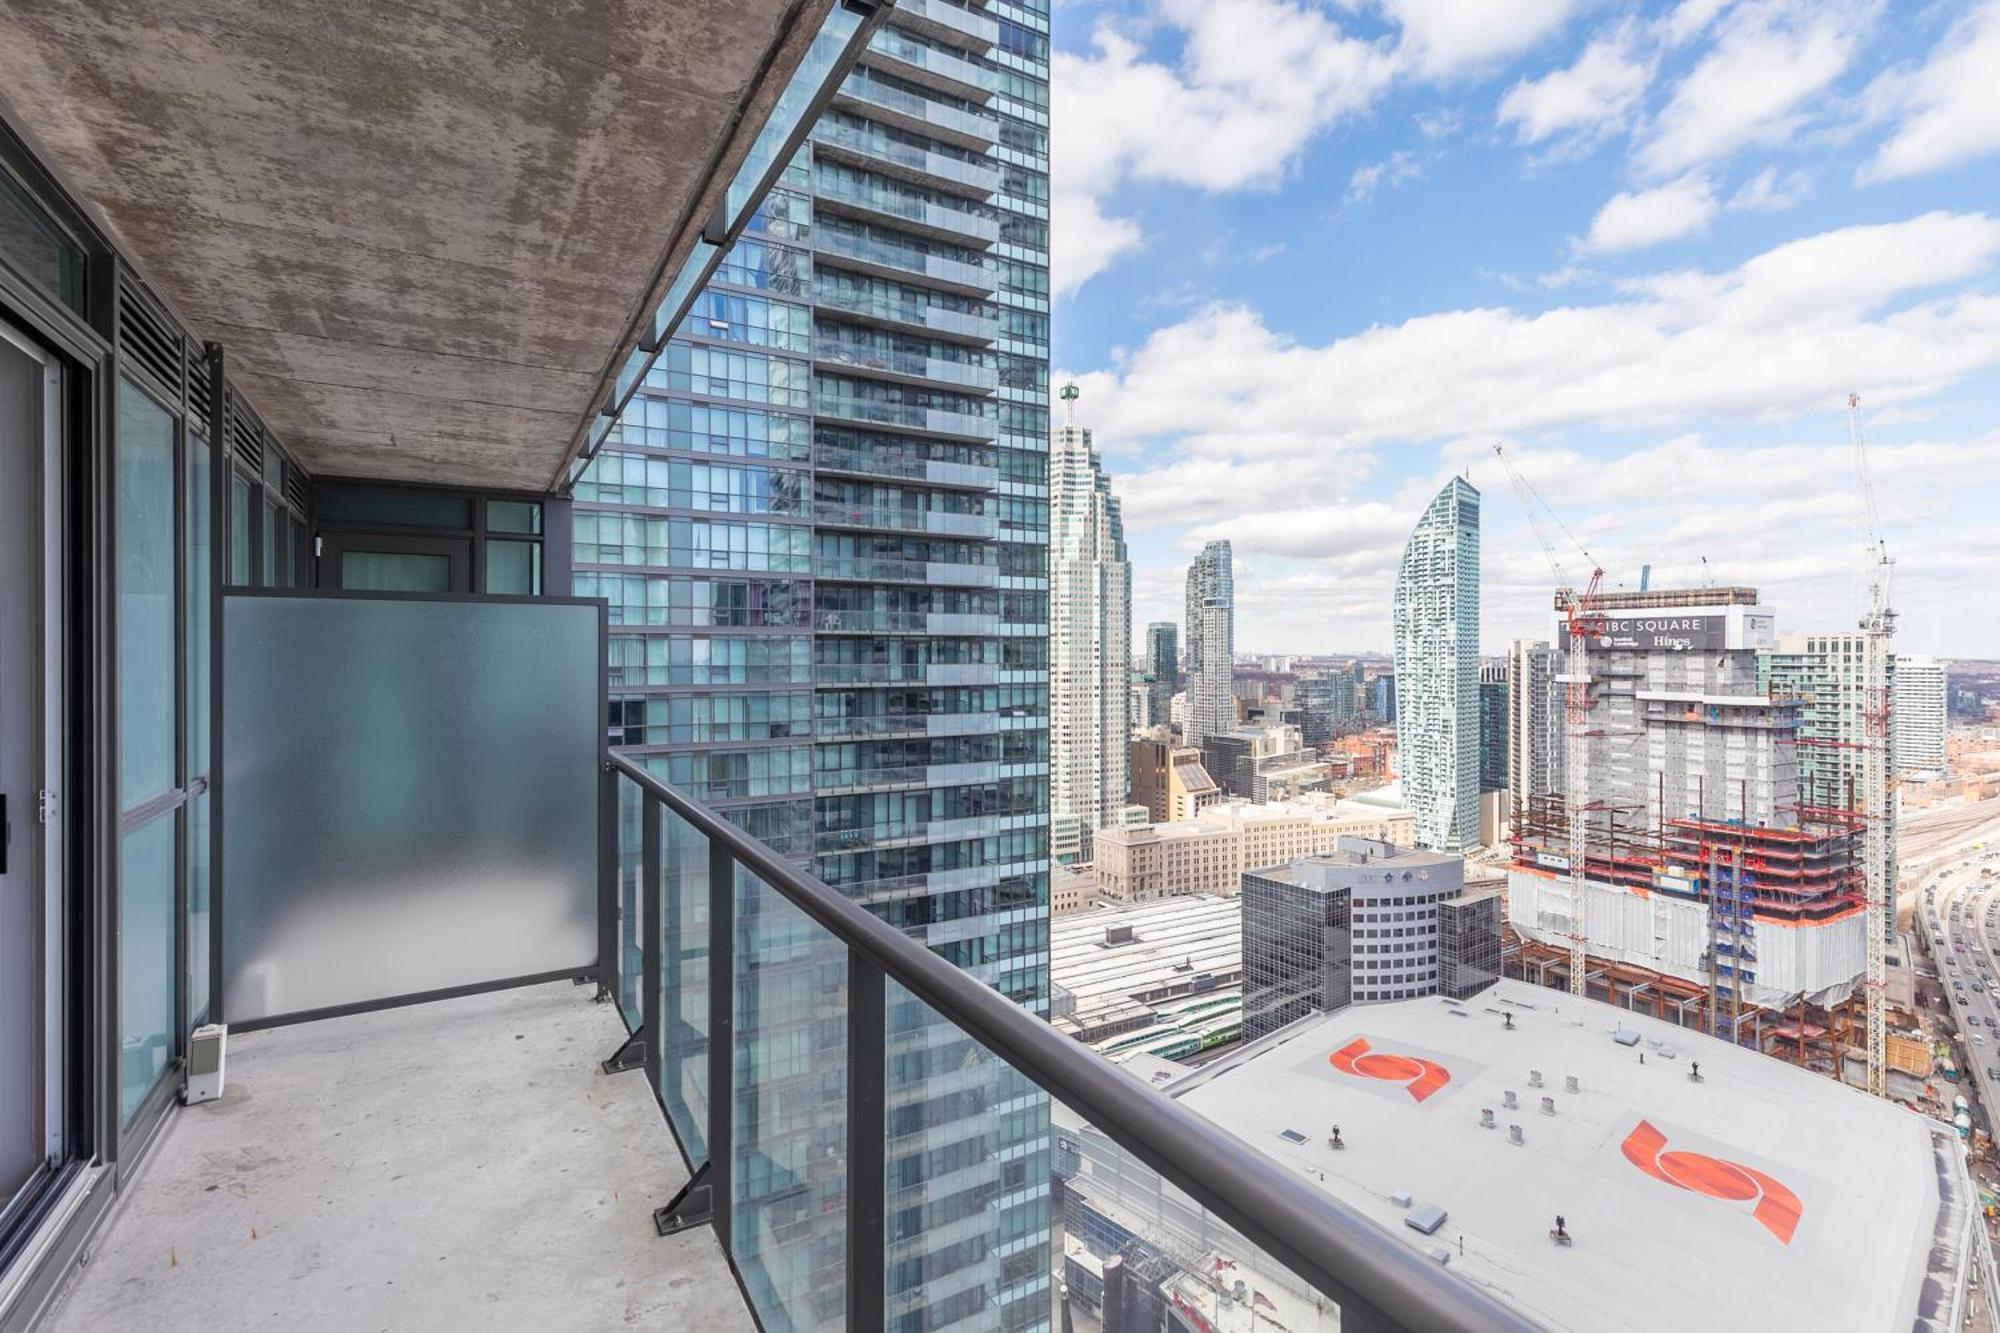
(1437, 670)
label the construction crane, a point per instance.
(1583, 619)
(1878, 623)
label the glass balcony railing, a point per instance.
(905, 466)
(906, 673)
(932, 573)
(915, 111)
(902, 259)
(864, 356)
(978, 177)
(982, 325)
(918, 62)
(970, 24)
(913, 416)
(887, 518)
(960, 222)
(781, 1024)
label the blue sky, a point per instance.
(1314, 256)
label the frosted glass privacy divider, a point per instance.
(409, 795)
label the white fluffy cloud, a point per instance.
(1788, 331)
(1756, 83)
(1948, 110)
(1634, 220)
(1588, 98)
(1442, 38)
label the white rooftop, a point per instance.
(1174, 940)
(1762, 1197)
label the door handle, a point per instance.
(6, 833)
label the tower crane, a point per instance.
(1878, 623)
(1583, 620)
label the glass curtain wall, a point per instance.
(822, 528)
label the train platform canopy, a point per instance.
(1760, 1196)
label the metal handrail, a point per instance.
(1378, 1282)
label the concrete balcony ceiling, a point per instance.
(423, 233)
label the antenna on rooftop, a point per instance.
(1070, 393)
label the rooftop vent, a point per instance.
(1425, 1217)
(1118, 935)
(1509, 1100)
(1439, 1255)
(1534, 1078)
(1625, 1037)
(1486, 1120)
(1401, 1198)
(1514, 1135)
(1570, 1084)
(1548, 1106)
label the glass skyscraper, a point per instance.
(823, 531)
(1436, 621)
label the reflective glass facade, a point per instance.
(822, 526)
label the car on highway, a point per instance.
(1993, 1073)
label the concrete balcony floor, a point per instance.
(458, 1165)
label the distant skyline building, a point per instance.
(1436, 622)
(1090, 636)
(1382, 697)
(1211, 642)
(1917, 717)
(1537, 723)
(1326, 706)
(1163, 662)
(1493, 766)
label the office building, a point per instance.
(1706, 877)
(1355, 924)
(1168, 780)
(1436, 621)
(1163, 667)
(1265, 763)
(1917, 718)
(1382, 697)
(1493, 768)
(1469, 949)
(1537, 724)
(1141, 716)
(1822, 674)
(1090, 635)
(1326, 707)
(1211, 643)
(1209, 852)
(824, 527)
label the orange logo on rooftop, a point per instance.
(1778, 1209)
(1420, 1078)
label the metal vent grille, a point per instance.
(148, 336)
(246, 434)
(295, 487)
(202, 383)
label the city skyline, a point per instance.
(1261, 280)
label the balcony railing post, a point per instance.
(652, 942)
(867, 1128)
(608, 986)
(721, 1036)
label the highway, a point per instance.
(1962, 899)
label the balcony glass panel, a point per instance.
(410, 800)
(147, 598)
(683, 999)
(789, 1163)
(631, 903)
(145, 960)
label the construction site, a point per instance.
(1704, 864)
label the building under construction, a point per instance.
(1716, 895)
